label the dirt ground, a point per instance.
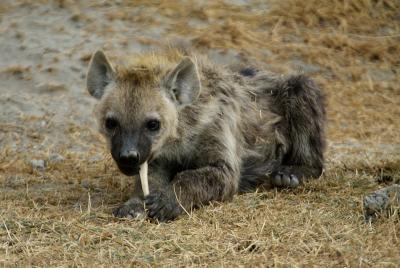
(58, 184)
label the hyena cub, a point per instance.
(207, 132)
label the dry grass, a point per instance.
(61, 216)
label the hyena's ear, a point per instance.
(100, 74)
(184, 82)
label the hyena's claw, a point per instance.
(162, 207)
(132, 209)
(284, 180)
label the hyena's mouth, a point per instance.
(129, 170)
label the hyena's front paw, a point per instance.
(131, 209)
(162, 207)
(284, 179)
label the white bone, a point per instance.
(144, 179)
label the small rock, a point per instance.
(85, 184)
(50, 87)
(382, 202)
(55, 158)
(38, 164)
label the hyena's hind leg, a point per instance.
(302, 107)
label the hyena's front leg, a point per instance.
(135, 207)
(193, 188)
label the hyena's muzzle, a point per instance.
(130, 149)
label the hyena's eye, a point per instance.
(111, 123)
(153, 125)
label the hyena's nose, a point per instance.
(129, 158)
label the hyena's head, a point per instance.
(138, 106)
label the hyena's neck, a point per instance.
(215, 117)
(193, 122)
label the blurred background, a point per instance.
(351, 47)
(48, 138)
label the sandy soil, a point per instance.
(58, 184)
